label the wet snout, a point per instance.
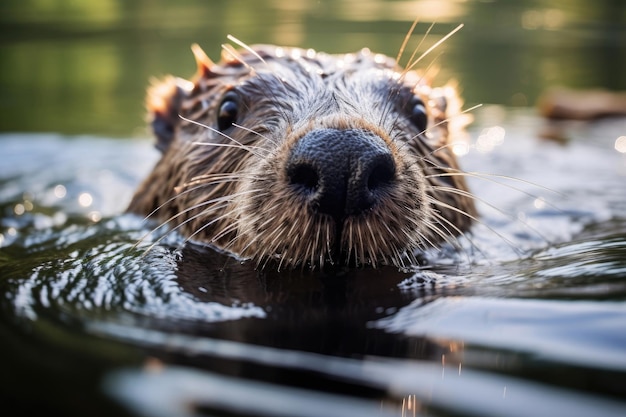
(341, 173)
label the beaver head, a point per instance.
(306, 158)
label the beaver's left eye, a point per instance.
(228, 111)
(418, 115)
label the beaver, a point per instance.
(288, 155)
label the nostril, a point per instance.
(382, 174)
(304, 177)
(340, 173)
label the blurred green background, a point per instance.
(81, 67)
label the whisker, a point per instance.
(254, 132)
(209, 180)
(477, 220)
(446, 234)
(418, 224)
(415, 139)
(240, 58)
(227, 179)
(430, 28)
(246, 47)
(445, 223)
(492, 178)
(225, 231)
(171, 200)
(206, 225)
(212, 129)
(463, 193)
(373, 244)
(447, 119)
(236, 237)
(178, 226)
(467, 194)
(388, 102)
(389, 107)
(236, 55)
(218, 202)
(433, 47)
(406, 40)
(411, 64)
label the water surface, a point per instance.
(527, 318)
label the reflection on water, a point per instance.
(82, 67)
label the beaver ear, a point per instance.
(203, 62)
(447, 108)
(163, 102)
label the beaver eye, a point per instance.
(418, 115)
(228, 111)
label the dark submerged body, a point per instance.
(302, 158)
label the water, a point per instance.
(528, 319)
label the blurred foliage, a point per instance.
(73, 66)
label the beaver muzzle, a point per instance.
(340, 173)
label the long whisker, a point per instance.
(492, 178)
(467, 194)
(446, 234)
(226, 230)
(178, 226)
(241, 59)
(218, 202)
(433, 228)
(477, 220)
(195, 217)
(415, 138)
(250, 149)
(389, 107)
(254, 132)
(430, 28)
(198, 183)
(447, 119)
(246, 47)
(413, 62)
(206, 225)
(452, 231)
(212, 179)
(223, 202)
(395, 91)
(235, 54)
(171, 200)
(465, 235)
(234, 226)
(225, 145)
(406, 40)
(433, 47)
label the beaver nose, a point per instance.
(341, 172)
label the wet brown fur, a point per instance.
(236, 196)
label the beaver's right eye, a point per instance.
(228, 111)
(418, 115)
